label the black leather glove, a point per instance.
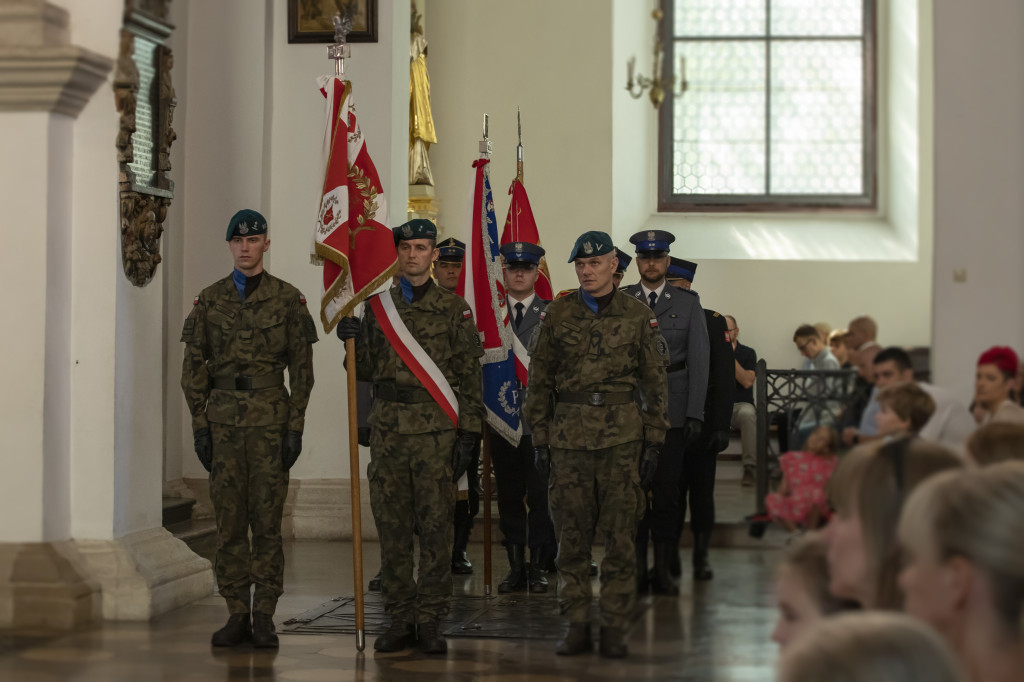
(719, 441)
(290, 449)
(203, 442)
(649, 465)
(348, 328)
(363, 436)
(462, 453)
(542, 461)
(691, 431)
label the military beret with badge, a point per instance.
(590, 244)
(418, 228)
(246, 223)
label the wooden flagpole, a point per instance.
(485, 502)
(354, 483)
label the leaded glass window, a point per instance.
(779, 110)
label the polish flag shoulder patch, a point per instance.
(467, 313)
(727, 339)
(302, 299)
(654, 323)
(543, 314)
(195, 301)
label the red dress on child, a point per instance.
(807, 475)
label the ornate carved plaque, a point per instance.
(145, 99)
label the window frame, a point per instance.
(671, 202)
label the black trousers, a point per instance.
(697, 486)
(523, 515)
(661, 521)
(466, 510)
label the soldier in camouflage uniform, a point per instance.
(598, 408)
(416, 452)
(242, 333)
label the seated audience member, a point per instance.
(963, 574)
(996, 442)
(744, 417)
(994, 382)
(815, 351)
(862, 340)
(801, 588)
(824, 329)
(867, 491)
(903, 410)
(869, 647)
(801, 501)
(837, 344)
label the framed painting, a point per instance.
(310, 21)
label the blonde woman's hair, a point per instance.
(997, 442)
(808, 557)
(869, 647)
(978, 515)
(872, 481)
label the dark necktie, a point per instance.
(519, 315)
(653, 298)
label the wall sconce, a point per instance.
(636, 86)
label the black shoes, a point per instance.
(235, 632)
(430, 638)
(400, 635)
(577, 640)
(263, 633)
(374, 585)
(538, 581)
(661, 581)
(515, 581)
(460, 564)
(613, 643)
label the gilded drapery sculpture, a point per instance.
(421, 121)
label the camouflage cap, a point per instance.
(246, 223)
(418, 228)
(592, 243)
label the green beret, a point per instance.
(418, 228)
(246, 223)
(592, 243)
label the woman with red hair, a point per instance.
(994, 382)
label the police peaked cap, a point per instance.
(624, 260)
(679, 268)
(652, 240)
(246, 223)
(417, 228)
(590, 244)
(451, 250)
(522, 252)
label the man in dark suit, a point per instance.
(522, 492)
(682, 322)
(697, 483)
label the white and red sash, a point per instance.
(413, 355)
(522, 357)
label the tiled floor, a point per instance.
(715, 631)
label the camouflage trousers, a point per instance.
(593, 491)
(248, 487)
(411, 488)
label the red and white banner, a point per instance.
(413, 355)
(520, 226)
(351, 238)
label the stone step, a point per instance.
(199, 534)
(176, 510)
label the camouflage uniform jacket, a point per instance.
(227, 338)
(442, 324)
(617, 351)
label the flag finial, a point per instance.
(343, 21)
(485, 144)
(519, 148)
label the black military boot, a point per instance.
(460, 562)
(661, 581)
(400, 634)
(515, 581)
(643, 580)
(577, 640)
(237, 630)
(701, 568)
(430, 638)
(613, 643)
(374, 585)
(536, 578)
(263, 634)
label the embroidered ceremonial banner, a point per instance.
(481, 284)
(351, 238)
(413, 355)
(520, 226)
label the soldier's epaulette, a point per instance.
(692, 292)
(565, 292)
(716, 314)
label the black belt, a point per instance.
(247, 383)
(401, 394)
(595, 399)
(676, 366)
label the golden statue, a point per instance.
(421, 121)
